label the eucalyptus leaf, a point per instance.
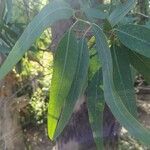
(54, 11)
(95, 104)
(76, 87)
(135, 37)
(121, 11)
(112, 98)
(122, 78)
(64, 69)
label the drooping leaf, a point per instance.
(141, 64)
(65, 63)
(136, 38)
(112, 99)
(121, 11)
(76, 87)
(95, 104)
(123, 79)
(54, 11)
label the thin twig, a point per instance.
(141, 14)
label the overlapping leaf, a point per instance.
(54, 11)
(112, 99)
(65, 63)
(123, 79)
(76, 87)
(141, 64)
(95, 103)
(121, 11)
(136, 38)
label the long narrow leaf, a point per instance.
(95, 103)
(121, 11)
(112, 99)
(65, 63)
(76, 87)
(123, 78)
(54, 11)
(136, 38)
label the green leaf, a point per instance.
(112, 99)
(121, 11)
(51, 13)
(95, 13)
(123, 78)
(76, 87)
(95, 103)
(65, 63)
(141, 64)
(135, 37)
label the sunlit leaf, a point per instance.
(65, 63)
(54, 11)
(112, 99)
(76, 87)
(121, 11)
(136, 38)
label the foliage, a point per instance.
(117, 46)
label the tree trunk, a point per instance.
(11, 137)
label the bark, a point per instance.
(11, 137)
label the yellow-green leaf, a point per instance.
(65, 63)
